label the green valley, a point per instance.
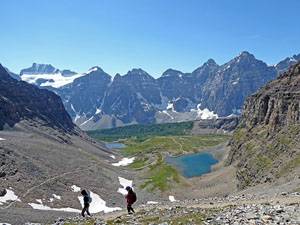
(150, 144)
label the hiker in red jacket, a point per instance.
(130, 198)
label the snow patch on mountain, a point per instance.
(124, 162)
(75, 188)
(57, 196)
(98, 204)
(170, 106)
(9, 196)
(41, 206)
(55, 80)
(168, 114)
(205, 113)
(172, 198)
(151, 203)
(124, 183)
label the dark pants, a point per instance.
(85, 209)
(129, 208)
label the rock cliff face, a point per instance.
(266, 144)
(233, 82)
(22, 101)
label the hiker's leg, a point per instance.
(129, 208)
(132, 209)
(88, 210)
(83, 211)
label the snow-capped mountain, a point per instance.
(287, 62)
(45, 75)
(96, 100)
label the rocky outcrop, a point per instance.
(265, 147)
(219, 125)
(86, 94)
(283, 65)
(21, 101)
(233, 82)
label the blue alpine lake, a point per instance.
(114, 145)
(192, 165)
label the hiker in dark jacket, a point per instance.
(130, 198)
(86, 203)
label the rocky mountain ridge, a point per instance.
(96, 100)
(265, 147)
(45, 158)
(21, 101)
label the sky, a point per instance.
(154, 35)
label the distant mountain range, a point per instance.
(96, 100)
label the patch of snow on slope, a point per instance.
(75, 188)
(98, 110)
(112, 156)
(9, 196)
(2, 139)
(87, 121)
(77, 117)
(170, 106)
(44, 207)
(124, 183)
(168, 114)
(231, 115)
(5, 224)
(98, 204)
(72, 107)
(152, 203)
(57, 196)
(124, 162)
(39, 201)
(172, 198)
(204, 114)
(95, 68)
(58, 79)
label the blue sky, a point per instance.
(154, 35)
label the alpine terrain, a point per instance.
(96, 100)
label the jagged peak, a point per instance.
(172, 73)
(208, 65)
(94, 69)
(210, 62)
(245, 55)
(138, 72)
(3, 71)
(39, 68)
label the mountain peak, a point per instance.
(172, 73)
(3, 72)
(95, 68)
(245, 54)
(138, 73)
(210, 62)
(37, 68)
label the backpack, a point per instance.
(134, 198)
(90, 199)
